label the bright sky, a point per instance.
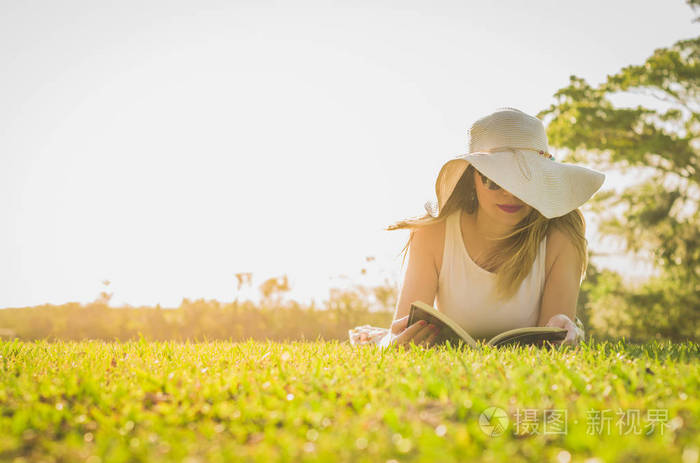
(168, 145)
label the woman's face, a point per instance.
(494, 202)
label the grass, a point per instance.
(329, 401)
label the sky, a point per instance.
(167, 145)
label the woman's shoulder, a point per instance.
(430, 239)
(557, 239)
(557, 242)
(429, 235)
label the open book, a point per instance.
(451, 331)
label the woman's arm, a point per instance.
(421, 276)
(561, 290)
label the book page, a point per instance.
(528, 335)
(450, 330)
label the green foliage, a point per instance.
(658, 216)
(328, 401)
(196, 320)
(695, 5)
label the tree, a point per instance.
(104, 297)
(659, 215)
(273, 289)
(695, 5)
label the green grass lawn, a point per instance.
(328, 401)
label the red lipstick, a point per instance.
(510, 209)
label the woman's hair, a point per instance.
(513, 260)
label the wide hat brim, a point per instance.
(553, 188)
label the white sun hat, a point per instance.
(510, 147)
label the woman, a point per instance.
(504, 247)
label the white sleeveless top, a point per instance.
(464, 289)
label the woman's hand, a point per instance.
(574, 334)
(421, 333)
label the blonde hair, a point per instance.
(513, 260)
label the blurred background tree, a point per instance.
(273, 290)
(695, 5)
(658, 216)
(104, 297)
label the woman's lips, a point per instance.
(510, 209)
